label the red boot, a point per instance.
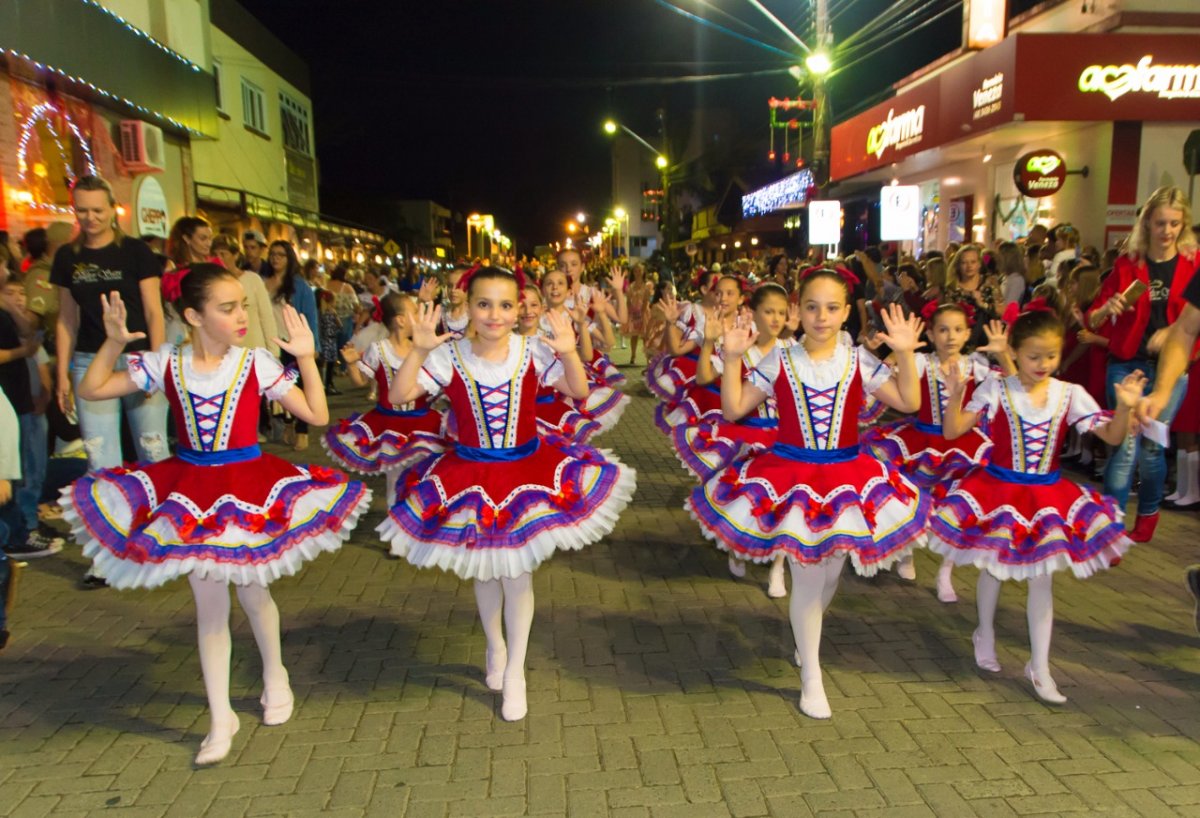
(1143, 527)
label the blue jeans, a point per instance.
(5, 579)
(1149, 457)
(33, 467)
(100, 421)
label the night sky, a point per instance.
(497, 107)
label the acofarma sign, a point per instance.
(1167, 81)
(897, 132)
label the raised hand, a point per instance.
(351, 355)
(670, 308)
(428, 290)
(562, 334)
(793, 318)
(738, 339)
(713, 326)
(115, 316)
(300, 341)
(952, 377)
(616, 278)
(902, 334)
(425, 325)
(600, 301)
(997, 338)
(1128, 391)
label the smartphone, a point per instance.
(1134, 291)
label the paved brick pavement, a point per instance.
(658, 685)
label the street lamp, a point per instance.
(818, 63)
(572, 227)
(622, 215)
(610, 127)
(581, 217)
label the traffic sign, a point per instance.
(391, 248)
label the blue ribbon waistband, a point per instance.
(480, 454)
(760, 423)
(928, 428)
(546, 399)
(401, 413)
(1028, 478)
(714, 388)
(805, 455)
(219, 458)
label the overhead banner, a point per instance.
(900, 213)
(825, 222)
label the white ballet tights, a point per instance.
(813, 588)
(215, 643)
(506, 609)
(390, 475)
(1039, 612)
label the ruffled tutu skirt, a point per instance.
(669, 377)
(383, 440)
(921, 452)
(698, 403)
(1014, 528)
(712, 443)
(602, 370)
(485, 518)
(558, 416)
(247, 522)
(784, 500)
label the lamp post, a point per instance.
(622, 217)
(660, 161)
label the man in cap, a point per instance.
(254, 245)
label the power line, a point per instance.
(891, 42)
(705, 22)
(901, 25)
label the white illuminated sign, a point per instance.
(897, 131)
(150, 209)
(825, 222)
(1168, 81)
(985, 100)
(790, 191)
(985, 22)
(900, 213)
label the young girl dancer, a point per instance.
(455, 319)
(708, 444)
(219, 511)
(1019, 518)
(916, 446)
(503, 499)
(814, 495)
(388, 437)
(672, 374)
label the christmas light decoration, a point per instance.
(131, 27)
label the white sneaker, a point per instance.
(737, 567)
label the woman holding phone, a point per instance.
(1138, 301)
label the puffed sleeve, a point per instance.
(545, 362)
(149, 369)
(274, 379)
(985, 398)
(766, 373)
(1084, 413)
(370, 361)
(718, 362)
(874, 372)
(694, 332)
(980, 368)
(436, 371)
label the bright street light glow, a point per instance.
(619, 212)
(571, 228)
(818, 63)
(661, 162)
(581, 217)
(610, 127)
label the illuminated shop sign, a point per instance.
(897, 132)
(790, 191)
(1167, 81)
(985, 100)
(1040, 173)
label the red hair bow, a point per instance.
(968, 309)
(171, 283)
(1011, 312)
(928, 310)
(377, 312)
(465, 281)
(840, 271)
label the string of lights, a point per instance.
(94, 4)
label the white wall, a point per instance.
(1162, 157)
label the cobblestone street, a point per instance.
(658, 686)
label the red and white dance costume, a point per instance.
(580, 420)
(505, 498)
(388, 437)
(814, 494)
(1019, 518)
(916, 446)
(219, 509)
(704, 441)
(669, 376)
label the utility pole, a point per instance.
(668, 228)
(821, 113)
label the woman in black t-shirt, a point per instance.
(102, 260)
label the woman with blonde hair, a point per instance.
(1138, 302)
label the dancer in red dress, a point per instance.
(814, 495)
(387, 438)
(1019, 518)
(505, 498)
(219, 511)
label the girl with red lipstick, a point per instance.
(1019, 518)
(220, 511)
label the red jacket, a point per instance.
(1127, 331)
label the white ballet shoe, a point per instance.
(1044, 687)
(813, 702)
(217, 743)
(513, 706)
(945, 587)
(985, 653)
(907, 568)
(497, 661)
(282, 703)
(737, 567)
(777, 587)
